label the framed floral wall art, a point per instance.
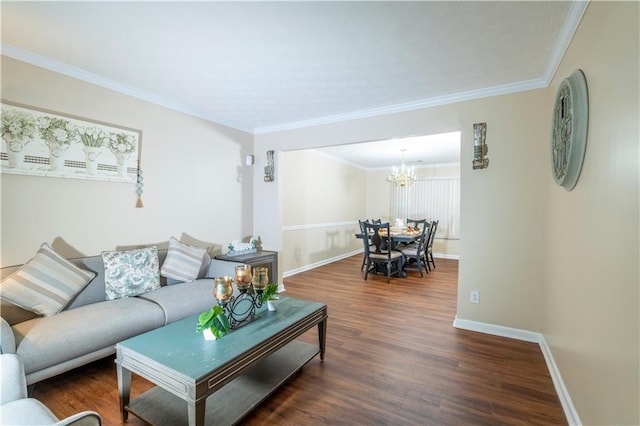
(46, 143)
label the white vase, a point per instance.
(56, 156)
(122, 162)
(272, 304)
(15, 151)
(91, 154)
(208, 334)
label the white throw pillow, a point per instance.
(46, 283)
(131, 272)
(183, 262)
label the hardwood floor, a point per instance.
(393, 358)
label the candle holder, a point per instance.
(243, 277)
(241, 309)
(222, 289)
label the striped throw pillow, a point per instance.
(45, 284)
(183, 262)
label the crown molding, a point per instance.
(574, 17)
(504, 89)
(80, 74)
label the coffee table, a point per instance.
(220, 381)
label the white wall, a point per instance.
(194, 181)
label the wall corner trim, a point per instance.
(533, 337)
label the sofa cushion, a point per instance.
(46, 283)
(76, 332)
(183, 262)
(14, 314)
(130, 272)
(182, 300)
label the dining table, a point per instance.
(395, 238)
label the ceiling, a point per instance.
(417, 151)
(268, 66)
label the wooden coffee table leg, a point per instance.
(196, 412)
(124, 389)
(322, 336)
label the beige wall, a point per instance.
(192, 168)
(324, 198)
(590, 289)
(502, 206)
(544, 260)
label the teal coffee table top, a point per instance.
(178, 347)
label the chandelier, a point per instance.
(402, 176)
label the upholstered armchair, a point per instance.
(16, 408)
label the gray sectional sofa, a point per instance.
(88, 328)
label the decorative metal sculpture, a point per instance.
(480, 148)
(269, 168)
(569, 130)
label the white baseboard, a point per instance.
(311, 266)
(446, 256)
(493, 329)
(529, 336)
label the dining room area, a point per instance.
(327, 193)
(395, 250)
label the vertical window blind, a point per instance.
(432, 199)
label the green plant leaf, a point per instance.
(269, 292)
(205, 317)
(214, 319)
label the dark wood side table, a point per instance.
(259, 258)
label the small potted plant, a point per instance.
(213, 323)
(269, 295)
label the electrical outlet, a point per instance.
(474, 296)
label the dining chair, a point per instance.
(376, 256)
(415, 222)
(366, 241)
(416, 253)
(429, 250)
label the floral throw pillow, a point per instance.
(129, 273)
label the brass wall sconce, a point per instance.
(269, 168)
(480, 148)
